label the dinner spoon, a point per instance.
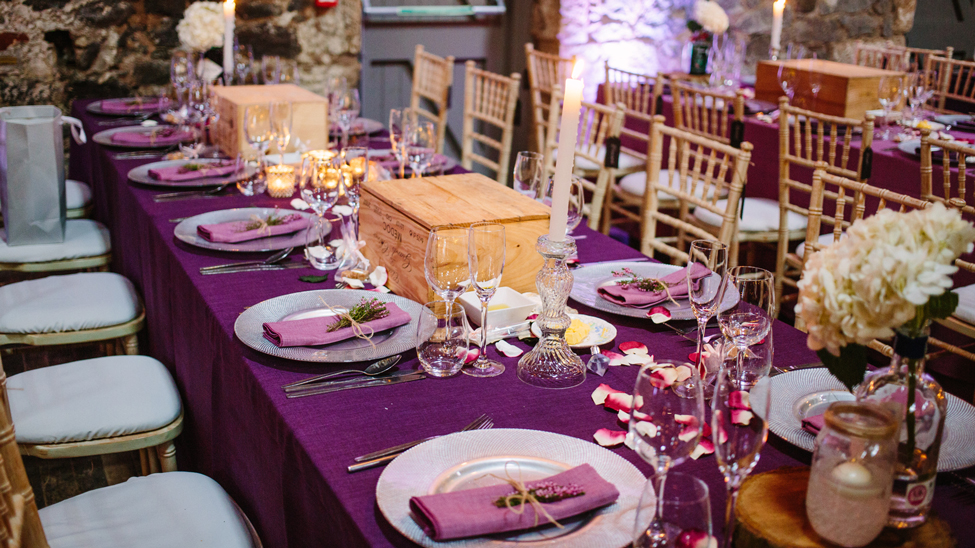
(373, 370)
(276, 258)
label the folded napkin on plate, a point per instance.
(241, 231)
(472, 512)
(159, 137)
(967, 125)
(813, 424)
(314, 331)
(132, 105)
(753, 106)
(188, 172)
(637, 298)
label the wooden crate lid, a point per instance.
(844, 70)
(459, 200)
(246, 95)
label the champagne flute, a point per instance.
(685, 511)
(527, 175)
(243, 62)
(445, 263)
(257, 129)
(281, 121)
(750, 319)
(787, 73)
(320, 186)
(270, 69)
(888, 95)
(705, 293)
(485, 257)
(399, 122)
(355, 171)
(345, 105)
(739, 435)
(665, 429)
(815, 80)
(181, 74)
(420, 146)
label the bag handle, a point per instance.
(77, 129)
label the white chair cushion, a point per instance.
(760, 215)
(82, 238)
(92, 399)
(824, 240)
(636, 184)
(626, 161)
(76, 194)
(966, 303)
(170, 510)
(67, 303)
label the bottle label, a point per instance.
(919, 495)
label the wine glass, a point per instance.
(181, 74)
(420, 145)
(288, 72)
(270, 69)
(750, 319)
(739, 435)
(281, 121)
(705, 293)
(485, 256)
(355, 171)
(399, 121)
(665, 428)
(257, 130)
(320, 186)
(441, 337)
(815, 80)
(889, 95)
(577, 201)
(527, 175)
(243, 62)
(345, 105)
(916, 91)
(445, 263)
(788, 74)
(685, 511)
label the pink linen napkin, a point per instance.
(161, 137)
(314, 331)
(813, 424)
(637, 298)
(131, 105)
(186, 172)
(472, 512)
(237, 231)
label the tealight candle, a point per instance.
(852, 474)
(281, 181)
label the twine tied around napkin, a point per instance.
(373, 313)
(523, 495)
(645, 284)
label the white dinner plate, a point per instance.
(600, 331)
(96, 108)
(105, 137)
(935, 126)
(141, 174)
(589, 278)
(808, 392)
(912, 147)
(360, 126)
(952, 119)
(249, 326)
(463, 460)
(186, 230)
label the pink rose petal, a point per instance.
(722, 435)
(600, 393)
(646, 428)
(609, 438)
(619, 402)
(614, 357)
(686, 420)
(688, 433)
(741, 416)
(663, 378)
(659, 314)
(379, 277)
(739, 400)
(695, 538)
(706, 431)
(683, 373)
(634, 347)
(692, 357)
(623, 417)
(704, 447)
(637, 359)
(532, 317)
(472, 355)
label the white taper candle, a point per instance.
(565, 160)
(228, 40)
(777, 8)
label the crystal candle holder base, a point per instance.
(552, 364)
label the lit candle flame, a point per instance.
(780, 3)
(577, 67)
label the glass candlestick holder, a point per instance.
(552, 364)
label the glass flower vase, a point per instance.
(921, 430)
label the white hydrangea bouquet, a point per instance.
(709, 19)
(202, 26)
(891, 272)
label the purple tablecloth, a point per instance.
(284, 460)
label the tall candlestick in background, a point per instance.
(777, 8)
(228, 40)
(566, 155)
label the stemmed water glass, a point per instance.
(705, 293)
(684, 510)
(281, 114)
(485, 256)
(749, 320)
(399, 122)
(916, 95)
(355, 171)
(739, 435)
(320, 186)
(181, 74)
(288, 72)
(420, 145)
(577, 201)
(665, 428)
(445, 264)
(270, 69)
(257, 129)
(889, 95)
(243, 62)
(345, 106)
(789, 74)
(527, 174)
(815, 80)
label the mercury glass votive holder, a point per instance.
(281, 181)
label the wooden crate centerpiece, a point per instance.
(847, 90)
(396, 216)
(309, 116)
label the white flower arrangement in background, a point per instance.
(710, 17)
(202, 26)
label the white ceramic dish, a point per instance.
(519, 307)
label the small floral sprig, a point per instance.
(365, 311)
(643, 284)
(272, 220)
(544, 492)
(187, 168)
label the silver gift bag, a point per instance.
(32, 173)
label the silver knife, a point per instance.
(416, 376)
(327, 384)
(256, 268)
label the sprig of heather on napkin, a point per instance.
(643, 284)
(271, 220)
(545, 492)
(365, 311)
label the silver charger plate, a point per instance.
(141, 174)
(105, 137)
(589, 278)
(808, 392)
(249, 326)
(461, 460)
(911, 146)
(96, 108)
(360, 126)
(186, 230)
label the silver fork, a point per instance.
(474, 425)
(484, 425)
(183, 195)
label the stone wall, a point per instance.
(66, 49)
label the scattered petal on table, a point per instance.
(688, 433)
(741, 416)
(739, 399)
(663, 377)
(658, 314)
(615, 358)
(472, 355)
(634, 347)
(621, 402)
(623, 417)
(683, 373)
(601, 392)
(354, 283)
(704, 447)
(630, 442)
(646, 428)
(508, 349)
(686, 420)
(378, 277)
(609, 438)
(637, 359)
(299, 204)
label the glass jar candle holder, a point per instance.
(281, 181)
(852, 473)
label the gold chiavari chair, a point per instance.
(432, 77)
(918, 56)
(707, 112)
(698, 172)
(489, 100)
(954, 80)
(545, 71)
(882, 56)
(597, 123)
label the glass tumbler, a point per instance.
(441, 337)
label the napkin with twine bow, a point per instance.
(191, 171)
(155, 137)
(475, 512)
(633, 296)
(315, 331)
(241, 231)
(138, 104)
